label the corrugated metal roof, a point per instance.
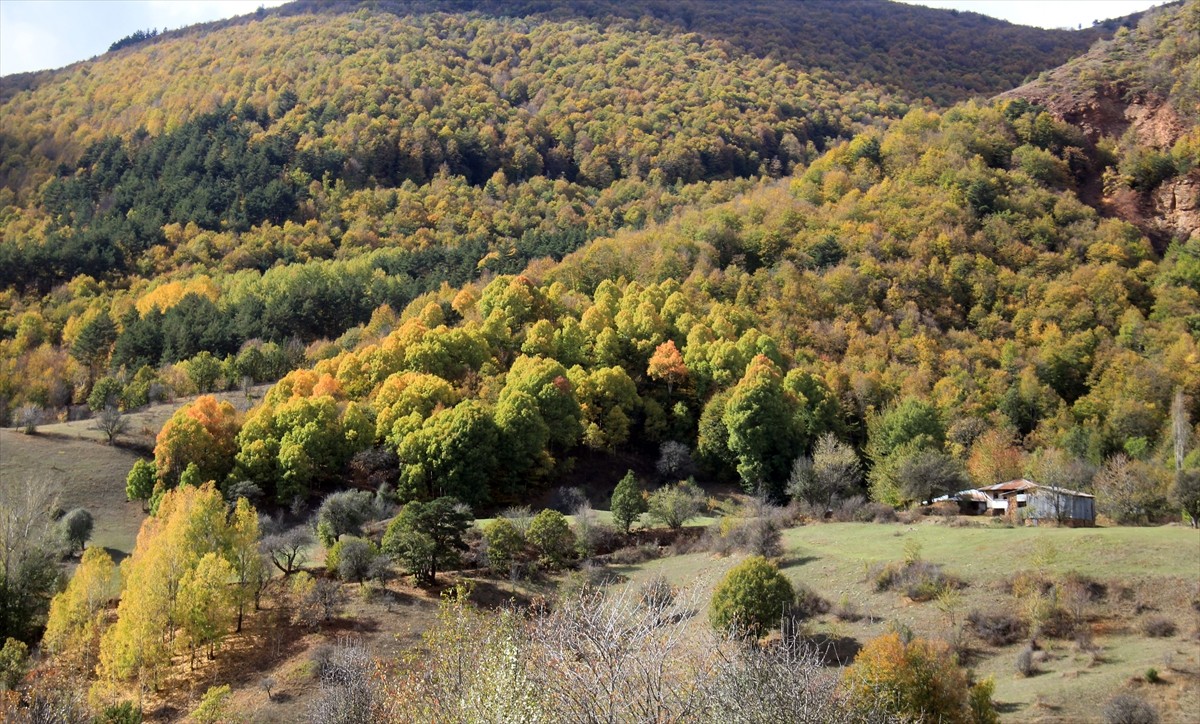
(1011, 485)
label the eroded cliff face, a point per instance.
(1172, 209)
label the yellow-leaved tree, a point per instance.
(188, 558)
(76, 615)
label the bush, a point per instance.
(1058, 623)
(756, 532)
(808, 603)
(504, 545)
(350, 559)
(124, 713)
(214, 705)
(550, 534)
(657, 593)
(1129, 709)
(1025, 665)
(1152, 675)
(876, 513)
(997, 629)
(917, 679)
(751, 599)
(920, 580)
(1158, 627)
(631, 555)
(675, 505)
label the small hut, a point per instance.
(1025, 500)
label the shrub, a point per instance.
(1152, 675)
(918, 679)
(983, 711)
(808, 603)
(1158, 627)
(920, 580)
(631, 555)
(756, 532)
(504, 544)
(1129, 709)
(1057, 623)
(657, 593)
(1025, 665)
(997, 629)
(876, 513)
(14, 663)
(350, 559)
(846, 511)
(124, 713)
(751, 599)
(214, 705)
(550, 534)
(675, 505)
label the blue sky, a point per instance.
(37, 34)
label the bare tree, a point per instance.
(1181, 428)
(112, 422)
(29, 553)
(351, 690)
(288, 551)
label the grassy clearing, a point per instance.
(1159, 567)
(84, 474)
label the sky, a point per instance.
(1046, 13)
(38, 34)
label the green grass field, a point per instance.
(1159, 566)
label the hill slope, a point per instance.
(1137, 99)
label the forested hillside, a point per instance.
(935, 288)
(780, 254)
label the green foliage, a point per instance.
(350, 558)
(14, 663)
(125, 712)
(214, 705)
(76, 528)
(343, 513)
(427, 537)
(505, 545)
(760, 417)
(674, 505)
(551, 535)
(139, 484)
(628, 502)
(751, 599)
(107, 391)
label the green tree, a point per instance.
(760, 418)
(628, 503)
(94, 343)
(427, 537)
(139, 484)
(504, 544)
(453, 454)
(751, 599)
(76, 528)
(551, 535)
(107, 391)
(675, 505)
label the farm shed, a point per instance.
(1027, 501)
